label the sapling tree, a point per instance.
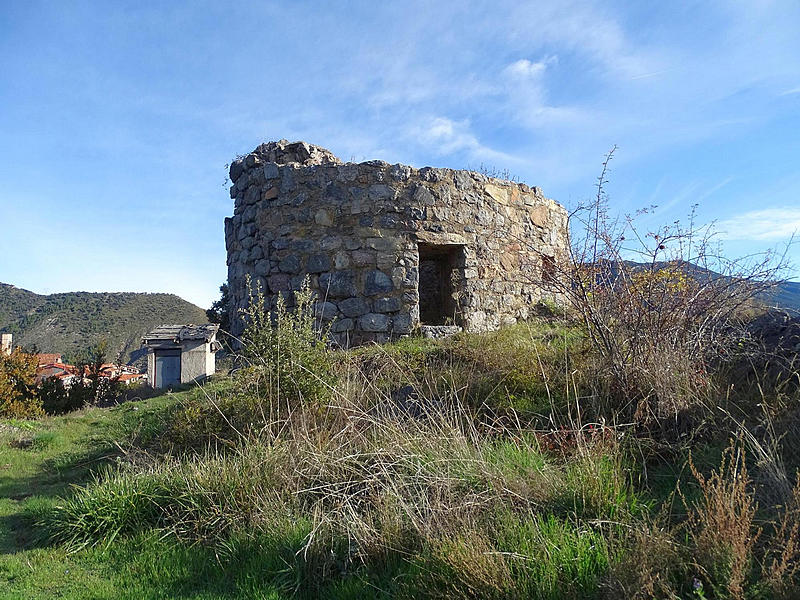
(289, 345)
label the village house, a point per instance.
(179, 354)
(67, 374)
(130, 378)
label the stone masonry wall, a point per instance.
(356, 230)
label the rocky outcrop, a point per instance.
(777, 331)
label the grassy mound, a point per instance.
(477, 466)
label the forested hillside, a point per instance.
(71, 322)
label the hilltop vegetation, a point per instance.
(71, 322)
(639, 440)
(482, 466)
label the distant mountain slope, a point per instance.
(787, 295)
(71, 322)
(784, 295)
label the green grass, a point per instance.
(79, 518)
(556, 558)
(39, 463)
(527, 368)
(346, 500)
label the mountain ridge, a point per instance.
(71, 322)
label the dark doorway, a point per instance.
(168, 368)
(440, 280)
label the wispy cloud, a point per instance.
(448, 136)
(762, 225)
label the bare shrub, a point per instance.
(721, 524)
(287, 347)
(662, 307)
(652, 567)
(781, 565)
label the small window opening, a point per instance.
(548, 269)
(440, 281)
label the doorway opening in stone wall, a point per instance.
(441, 277)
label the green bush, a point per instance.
(111, 506)
(285, 348)
(58, 399)
(18, 399)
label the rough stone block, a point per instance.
(252, 195)
(278, 283)
(383, 244)
(377, 282)
(255, 254)
(290, 264)
(402, 323)
(262, 268)
(339, 284)
(341, 260)
(386, 305)
(318, 263)
(323, 217)
(326, 311)
(364, 258)
(271, 171)
(341, 325)
(236, 170)
(374, 322)
(330, 242)
(354, 307)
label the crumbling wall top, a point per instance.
(284, 152)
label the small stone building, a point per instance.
(179, 354)
(389, 248)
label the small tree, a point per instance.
(219, 311)
(18, 397)
(93, 385)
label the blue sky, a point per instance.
(117, 118)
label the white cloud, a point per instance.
(766, 224)
(448, 136)
(525, 69)
(445, 136)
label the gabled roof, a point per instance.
(130, 377)
(179, 333)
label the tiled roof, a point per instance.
(48, 359)
(178, 333)
(130, 376)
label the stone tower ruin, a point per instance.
(389, 248)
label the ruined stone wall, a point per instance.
(357, 231)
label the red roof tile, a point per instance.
(48, 359)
